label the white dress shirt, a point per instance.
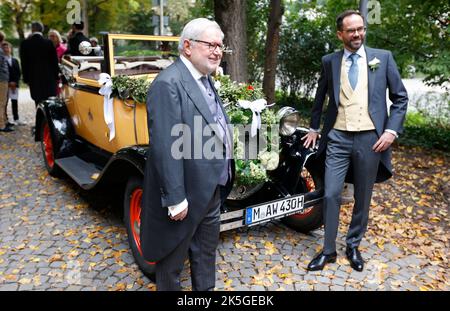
(197, 75)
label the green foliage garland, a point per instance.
(125, 87)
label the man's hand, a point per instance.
(310, 139)
(181, 215)
(384, 142)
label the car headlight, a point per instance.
(289, 120)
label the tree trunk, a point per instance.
(19, 27)
(231, 16)
(18, 11)
(272, 43)
(85, 18)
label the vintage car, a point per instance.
(75, 140)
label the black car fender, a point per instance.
(54, 110)
(123, 164)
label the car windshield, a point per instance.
(130, 55)
(142, 57)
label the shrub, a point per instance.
(302, 104)
(424, 131)
(427, 123)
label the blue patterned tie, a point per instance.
(353, 72)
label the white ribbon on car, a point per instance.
(108, 108)
(256, 107)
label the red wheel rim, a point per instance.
(48, 146)
(135, 219)
(310, 187)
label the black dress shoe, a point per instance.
(319, 262)
(6, 129)
(355, 258)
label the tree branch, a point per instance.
(405, 48)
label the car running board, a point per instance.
(84, 173)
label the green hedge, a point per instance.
(302, 104)
(420, 130)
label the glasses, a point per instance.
(211, 46)
(359, 30)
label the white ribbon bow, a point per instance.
(108, 108)
(256, 107)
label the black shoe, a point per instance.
(6, 129)
(355, 258)
(319, 262)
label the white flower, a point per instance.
(374, 63)
(269, 160)
(217, 85)
(257, 172)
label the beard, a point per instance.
(357, 42)
(209, 67)
(354, 44)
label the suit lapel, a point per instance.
(194, 92)
(336, 63)
(370, 73)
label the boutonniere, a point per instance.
(218, 74)
(374, 63)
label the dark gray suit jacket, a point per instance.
(386, 76)
(175, 98)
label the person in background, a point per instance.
(39, 64)
(14, 78)
(55, 37)
(4, 80)
(94, 43)
(76, 37)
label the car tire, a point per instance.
(132, 219)
(48, 149)
(313, 216)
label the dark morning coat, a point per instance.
(386, 76)
(74, 43)
(14, 71)
(39, 66)
(174, 97)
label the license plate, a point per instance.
(274, 209)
